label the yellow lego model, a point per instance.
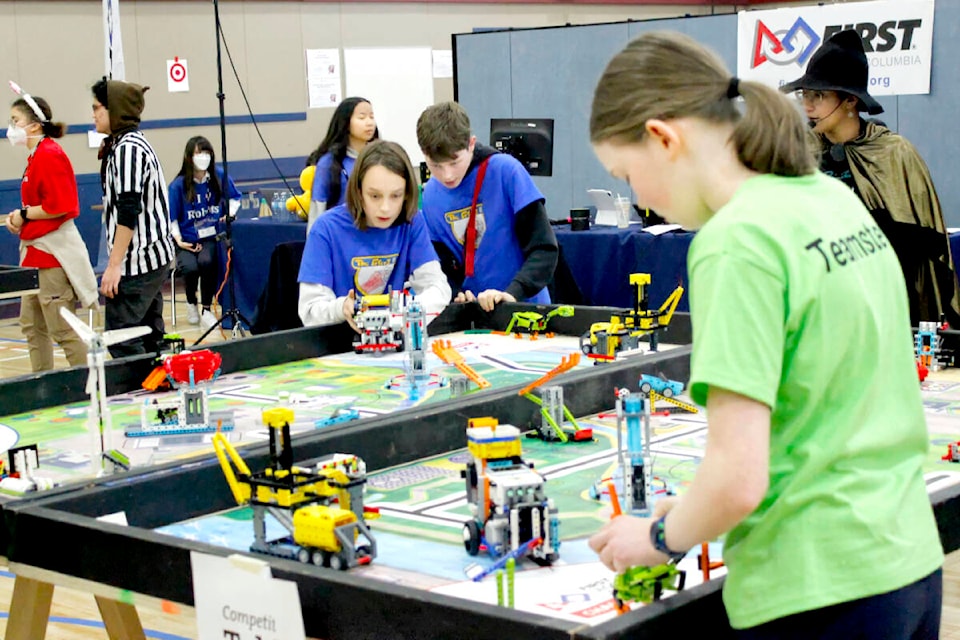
(606, 340)
(321, 508)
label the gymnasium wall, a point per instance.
(54, 49)
(532, 59)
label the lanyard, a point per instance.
(470, 245)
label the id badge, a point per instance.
(206, 232)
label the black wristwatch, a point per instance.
(658, 538)
(23, 215)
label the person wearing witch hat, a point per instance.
(136, 217)
(883, 169)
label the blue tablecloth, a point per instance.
(253, 244)
(603, 258)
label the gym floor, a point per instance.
(14, 360)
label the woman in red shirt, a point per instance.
(49, 240)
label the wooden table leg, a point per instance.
(29, 609)
(121, 620)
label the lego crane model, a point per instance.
(102, 454)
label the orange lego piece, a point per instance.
(155, 379)
(705, 565)
(566, 364)
(449, 355)
(614, 500)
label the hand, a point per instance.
(491, 297)
(349, 304)
(624, 542)
(186, 246)
(110, 282)
(13, 222)
(465, 296)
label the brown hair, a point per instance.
(50, 129)
(392, 157)
(669, 75)
(443, 131)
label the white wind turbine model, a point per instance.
(98, 415)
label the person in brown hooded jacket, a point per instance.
(136, 218)
(884, 170)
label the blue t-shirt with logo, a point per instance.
(321, 178)
(340, 256)
(199, 219)
(507, 188)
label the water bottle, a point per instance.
(278, 208)
(285, 214)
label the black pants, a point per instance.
(203, 267)
(909, 613)
(138, 303)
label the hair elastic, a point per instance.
(733, 89)
(29, 100)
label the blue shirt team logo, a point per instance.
(459, 219)
(372, 273)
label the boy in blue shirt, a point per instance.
(486, 216)
(371, 243)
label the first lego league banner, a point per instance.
(774, 46)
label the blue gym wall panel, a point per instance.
(553, 71)
(930, 121)
(483, 79)
(555, 79)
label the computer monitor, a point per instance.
(529, 140)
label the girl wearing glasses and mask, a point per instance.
(883, 169)
(196, 221)
(49, 239)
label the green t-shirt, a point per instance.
(798, 302)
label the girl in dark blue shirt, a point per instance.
(196, 223)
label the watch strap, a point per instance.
(658, 538)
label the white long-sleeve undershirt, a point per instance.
(319, 305)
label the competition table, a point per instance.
(109, 560)
(56, 537)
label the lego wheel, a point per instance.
(337, 563)
(471, 537)
(364, 551)
(303, 555)
(646, 387)
(320, 558)
(586, 349)
(668, 393)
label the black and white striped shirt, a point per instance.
(133, 167)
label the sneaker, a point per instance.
(207, 320)
(193, 316)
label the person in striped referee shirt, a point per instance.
(135, 215)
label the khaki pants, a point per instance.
(43, 325)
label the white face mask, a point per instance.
(17, 135)
(201, 161)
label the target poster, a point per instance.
(177, 78)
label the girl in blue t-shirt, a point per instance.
(194, 198)
(373, 243)
(351, 128)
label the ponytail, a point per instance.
(663, 75)
(771, 136)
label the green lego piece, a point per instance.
(646, 584)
